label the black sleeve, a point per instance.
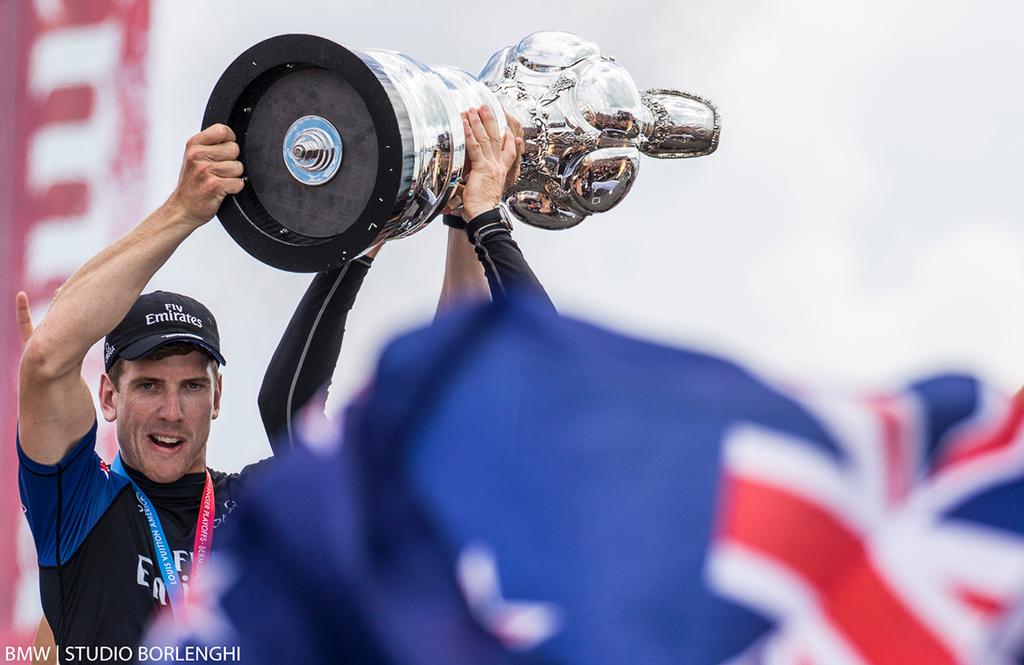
(307, 354)
(504, 264)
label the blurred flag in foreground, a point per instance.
(516, 487)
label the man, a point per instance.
(481, 231)
(104, 568)
(99, 531)
(162, 397)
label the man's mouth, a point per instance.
(168, 442)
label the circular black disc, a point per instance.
(319, 211)
(277, 219)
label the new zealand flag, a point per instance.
(516, 487)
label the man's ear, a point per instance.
(217, 387)
(106, 395)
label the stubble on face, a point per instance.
(163, 409)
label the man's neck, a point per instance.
(138, 474)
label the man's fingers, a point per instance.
(508, 150)
(233, 185)
(480, 133)
(23, 314)
(514, 124)
(512, 158)
(473, 150)
(212, 135)
(221, 152)
(508, 146)
(490, 124)
(227, 169)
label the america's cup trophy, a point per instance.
(343, 149)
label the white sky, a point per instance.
(863, 219)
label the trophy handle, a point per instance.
(681, 125)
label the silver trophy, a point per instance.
(344, 149)
(585, 125)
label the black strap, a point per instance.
(453, 221)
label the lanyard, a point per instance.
(165, 557)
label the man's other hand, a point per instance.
(516, 128)
(491, 157)
(23, 314)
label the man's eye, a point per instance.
(194, 386)
(147, 385)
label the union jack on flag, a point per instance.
(516, 488)
(897, 540)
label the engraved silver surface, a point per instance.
(681, 125)
(312, 150)
(585, 126)
(427, 103)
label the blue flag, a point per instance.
(517, 487)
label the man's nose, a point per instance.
(170, 408)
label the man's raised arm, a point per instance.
(493, 168)
(54, 406)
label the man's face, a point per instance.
(163, 409)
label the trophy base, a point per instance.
(321, 147)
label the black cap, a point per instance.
(158, 319)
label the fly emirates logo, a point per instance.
(173, 313)
(148, 576)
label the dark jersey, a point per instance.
(97, 576)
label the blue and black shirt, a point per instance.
(97, 577)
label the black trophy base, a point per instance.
(283, 219)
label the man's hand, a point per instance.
(55, 408)
(209, 172)
(491, 159)
(516, 128)
(23, 314)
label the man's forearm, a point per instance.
(308, 352)
(502, 260)
(98, 295)
(464, 279)
(54, 406)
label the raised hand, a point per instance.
(209, 172)
(491, 158)
(23, 314)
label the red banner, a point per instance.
(73, 126)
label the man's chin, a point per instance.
(163, 465)
(163, 470)
(164, 476)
